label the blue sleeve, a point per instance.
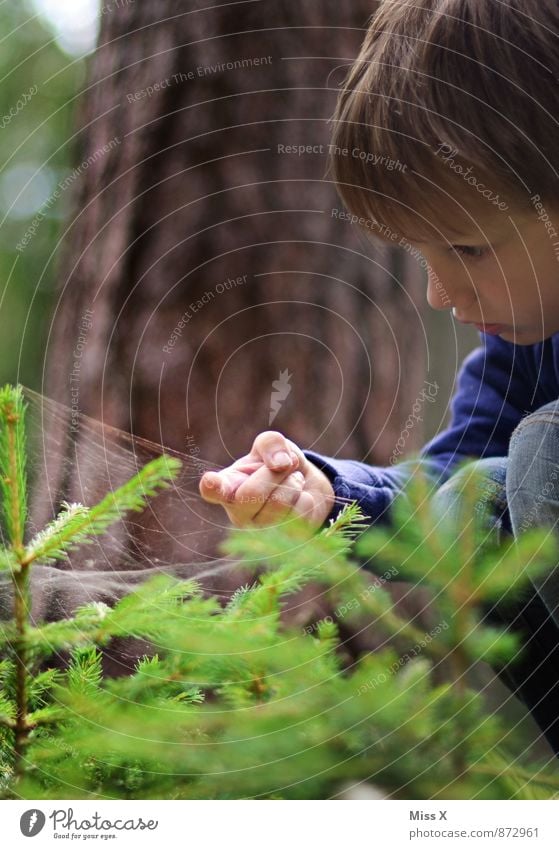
(494, 391)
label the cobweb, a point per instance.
(74, 458)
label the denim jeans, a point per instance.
(515, 493)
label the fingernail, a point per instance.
(281, 458)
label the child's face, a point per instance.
(504, 273)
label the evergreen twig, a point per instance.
(75, 525)
(235, 702)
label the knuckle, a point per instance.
(305, 504)
(279, 499)
(285, 499)
(269, 434)
(293, 487)
(269, 437)
(273, 434)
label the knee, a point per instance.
(533, 459)
(486, 476)
(534, 447)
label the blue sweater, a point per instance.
(498, 384)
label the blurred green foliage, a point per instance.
(38, 96)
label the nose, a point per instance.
(437, 295)
(443, 297)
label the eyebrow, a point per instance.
(457, 240)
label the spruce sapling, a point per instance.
(234, 703)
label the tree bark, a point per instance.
(208, 260)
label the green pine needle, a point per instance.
(349, 523)
(77, 525)
(239, 701)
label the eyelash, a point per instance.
(465, 250)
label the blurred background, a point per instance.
(46, 50)
(42, 72)
(168, 272)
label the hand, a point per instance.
(272, 482)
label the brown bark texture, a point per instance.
(205, 258)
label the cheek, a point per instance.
(501, 282)
(532, 268)
(534, 282)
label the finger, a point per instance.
(220, 487)
(279, 505)
(247, 464)
(251, 496)
(275, 450)
(305, 507)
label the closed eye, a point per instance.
(469, 250)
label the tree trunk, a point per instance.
(205, 259)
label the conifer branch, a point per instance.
(77, 524)
(74, 526)
(349, 523)
(312, 719)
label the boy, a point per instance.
(464, 94)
